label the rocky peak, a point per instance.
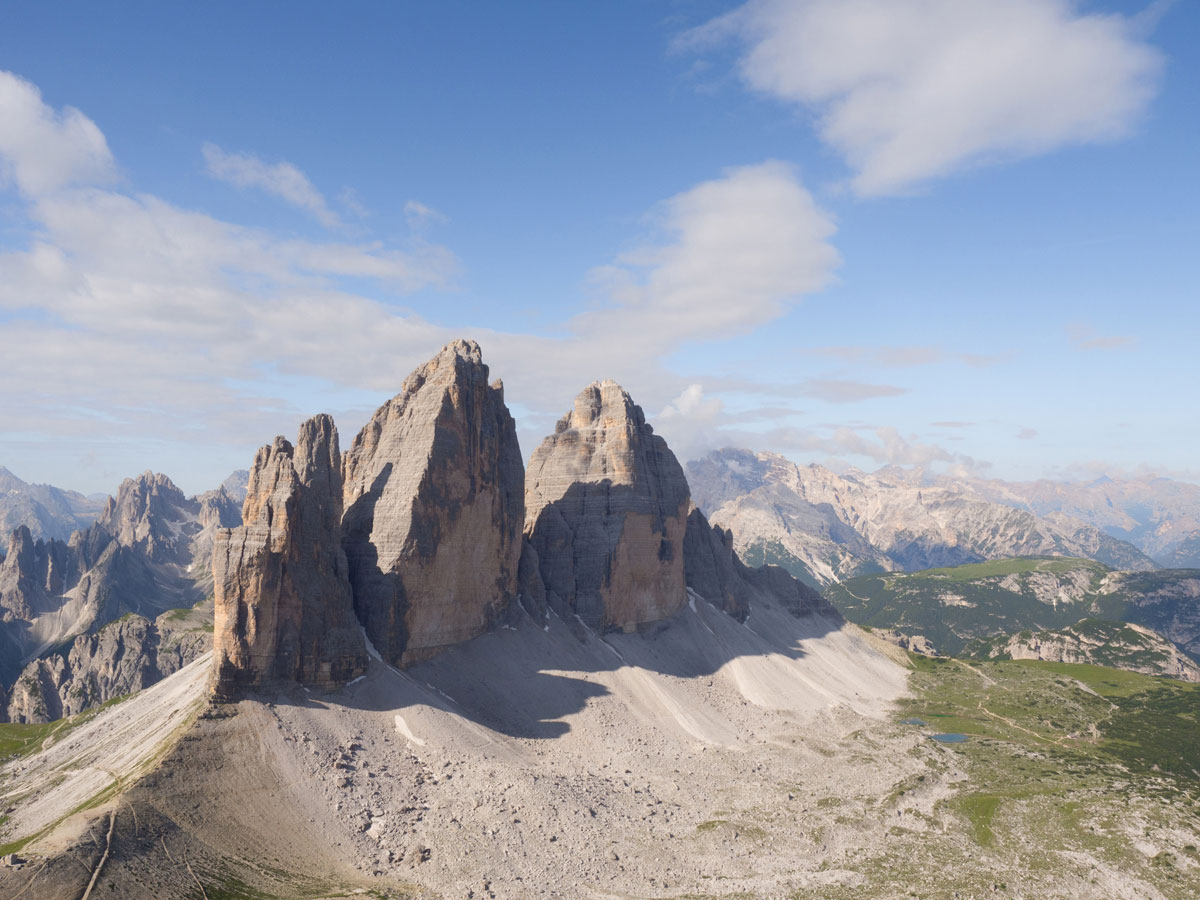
(433, 509)
(149, 512)
(606, 506)
(283, 609)
(31, 571)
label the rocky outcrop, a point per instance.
(606, 507)
(122, 657)
(1096, 642)
(150, 514)
(147, 553)
(715, 572)
(283, 609)
(434, 508)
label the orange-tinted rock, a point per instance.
(283, 608)
(434, 508)
(606, 506)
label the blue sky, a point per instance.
(929, 232)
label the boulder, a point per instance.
(606, 507)
(434, 508)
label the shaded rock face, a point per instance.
(148, 514)
(124, 656)
(434, 508)
(147, 553)
(47, 511)
(33, 571)
(606, 507)
(715, 572)
(283, 609)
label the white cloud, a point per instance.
(733, 253)
(131, 322)
(908, 90)
(281, 179)
(41, 149)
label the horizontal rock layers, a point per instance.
(283, 609)
(434, 507)
(606, 506)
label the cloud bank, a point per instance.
(910, 90)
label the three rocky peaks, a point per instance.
(428, 531)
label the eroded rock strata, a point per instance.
(283, 608)
(606, 506)
(434, 508)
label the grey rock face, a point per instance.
(147, 553)
(124, 656)
(826, 527)
(715, 572)
(47, 511)
(282, 605)
(151, 515)
(434, 507)
(606, 506)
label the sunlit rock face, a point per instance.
(606, 506)
(434, 509)
(283, 608)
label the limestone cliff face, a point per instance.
(606, 507)
(434, 508)
(124, 656)
(283, 609)
(715, 572)
(1119, 645)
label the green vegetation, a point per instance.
(774, 553)
(17, 739)
(22, 739)
(1020, 565)
(959, 608)
(1069, 771)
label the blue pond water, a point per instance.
(912, 721)
(949, 738)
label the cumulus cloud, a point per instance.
(732, 254)
(43, 149)
(908, 90)
(281, 179)
(127, 318)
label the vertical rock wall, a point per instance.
(434, 508)
(606, 506)
(283, 607)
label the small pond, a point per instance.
(912, 721)
(950, 738)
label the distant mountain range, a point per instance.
(825, 527)
(47, 511)
(77, 616)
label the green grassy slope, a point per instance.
(953, 607)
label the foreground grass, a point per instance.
(1075, 781)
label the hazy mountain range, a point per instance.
(826, 526)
